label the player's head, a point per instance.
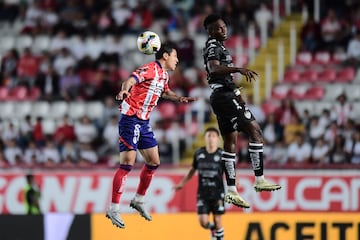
(215, 27)
(167, 55)
(212, 137)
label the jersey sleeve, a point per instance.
(213, 52)
(143, 73)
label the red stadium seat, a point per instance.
(314, 93)
(346, 74)
(19, 93)
(304, 58)
(4, 93)
(292, 76)
(280, 91)
(328, 75)
(298, 92)
(309, 76)
(34, 94)
(322, 58)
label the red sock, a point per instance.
(119, 182)
(146, 175)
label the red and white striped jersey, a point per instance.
(151, 81)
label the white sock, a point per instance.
(139, 198)
(114, 206)
(232, 188)
(259, 178)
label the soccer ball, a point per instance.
(148, 42)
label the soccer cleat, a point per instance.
(234, 198)
(264, 185)
(114, 216)
(139, 206)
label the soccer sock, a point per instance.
(119, 182)
(210, 226)
(256, 152)
(219, 234)
(146, 175)
(228, 161)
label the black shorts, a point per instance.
(232, 114)
(207, 206)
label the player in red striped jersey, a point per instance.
(139, 95)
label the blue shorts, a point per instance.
(135, 134)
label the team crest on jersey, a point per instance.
(217, 158)
(247, 114)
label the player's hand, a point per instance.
(249, 74)
(188, 99)
(122, 95)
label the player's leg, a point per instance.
(203, 211)
(127, 147)
(256, 154)
(218, 233)
(229, 159)
(149, 150)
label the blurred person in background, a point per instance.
(299, 150)
(352, 148)
(139, 94)
(210, 192)
(32, 196)
(320, 151)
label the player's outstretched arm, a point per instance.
(125, 88)
(216, 68)
(181, 184)
(170, 95)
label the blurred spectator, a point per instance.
(141, 18)
(87, 154)
(316, 130)
(94, 46)
(331, 132)
(256, 109)
(69, 153)
(51, 155)
(9, 68)
(63, 61)
(48, 83)
(353, 51)
(186, 49)
(299, 150)
(26, 131)
(12, 152)
(337, 152)
(263, 18)
(285, 111)
(32, 154)
(195, 25)
(121, 13)
(33, 18)
(58, 42)
(111, 108)
(272, 130)
(325, 118)
(10, 132)
(110, 137)
(310, 35)
(341, 110)
(70, 84)
(78, 47)
(38, 133)
(320, 151)
(352, 148)
(293, 128)
(85, 131)
(27, 68)
(279, 154)
(65, 132)
(333, 31)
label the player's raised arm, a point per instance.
(125, 88)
